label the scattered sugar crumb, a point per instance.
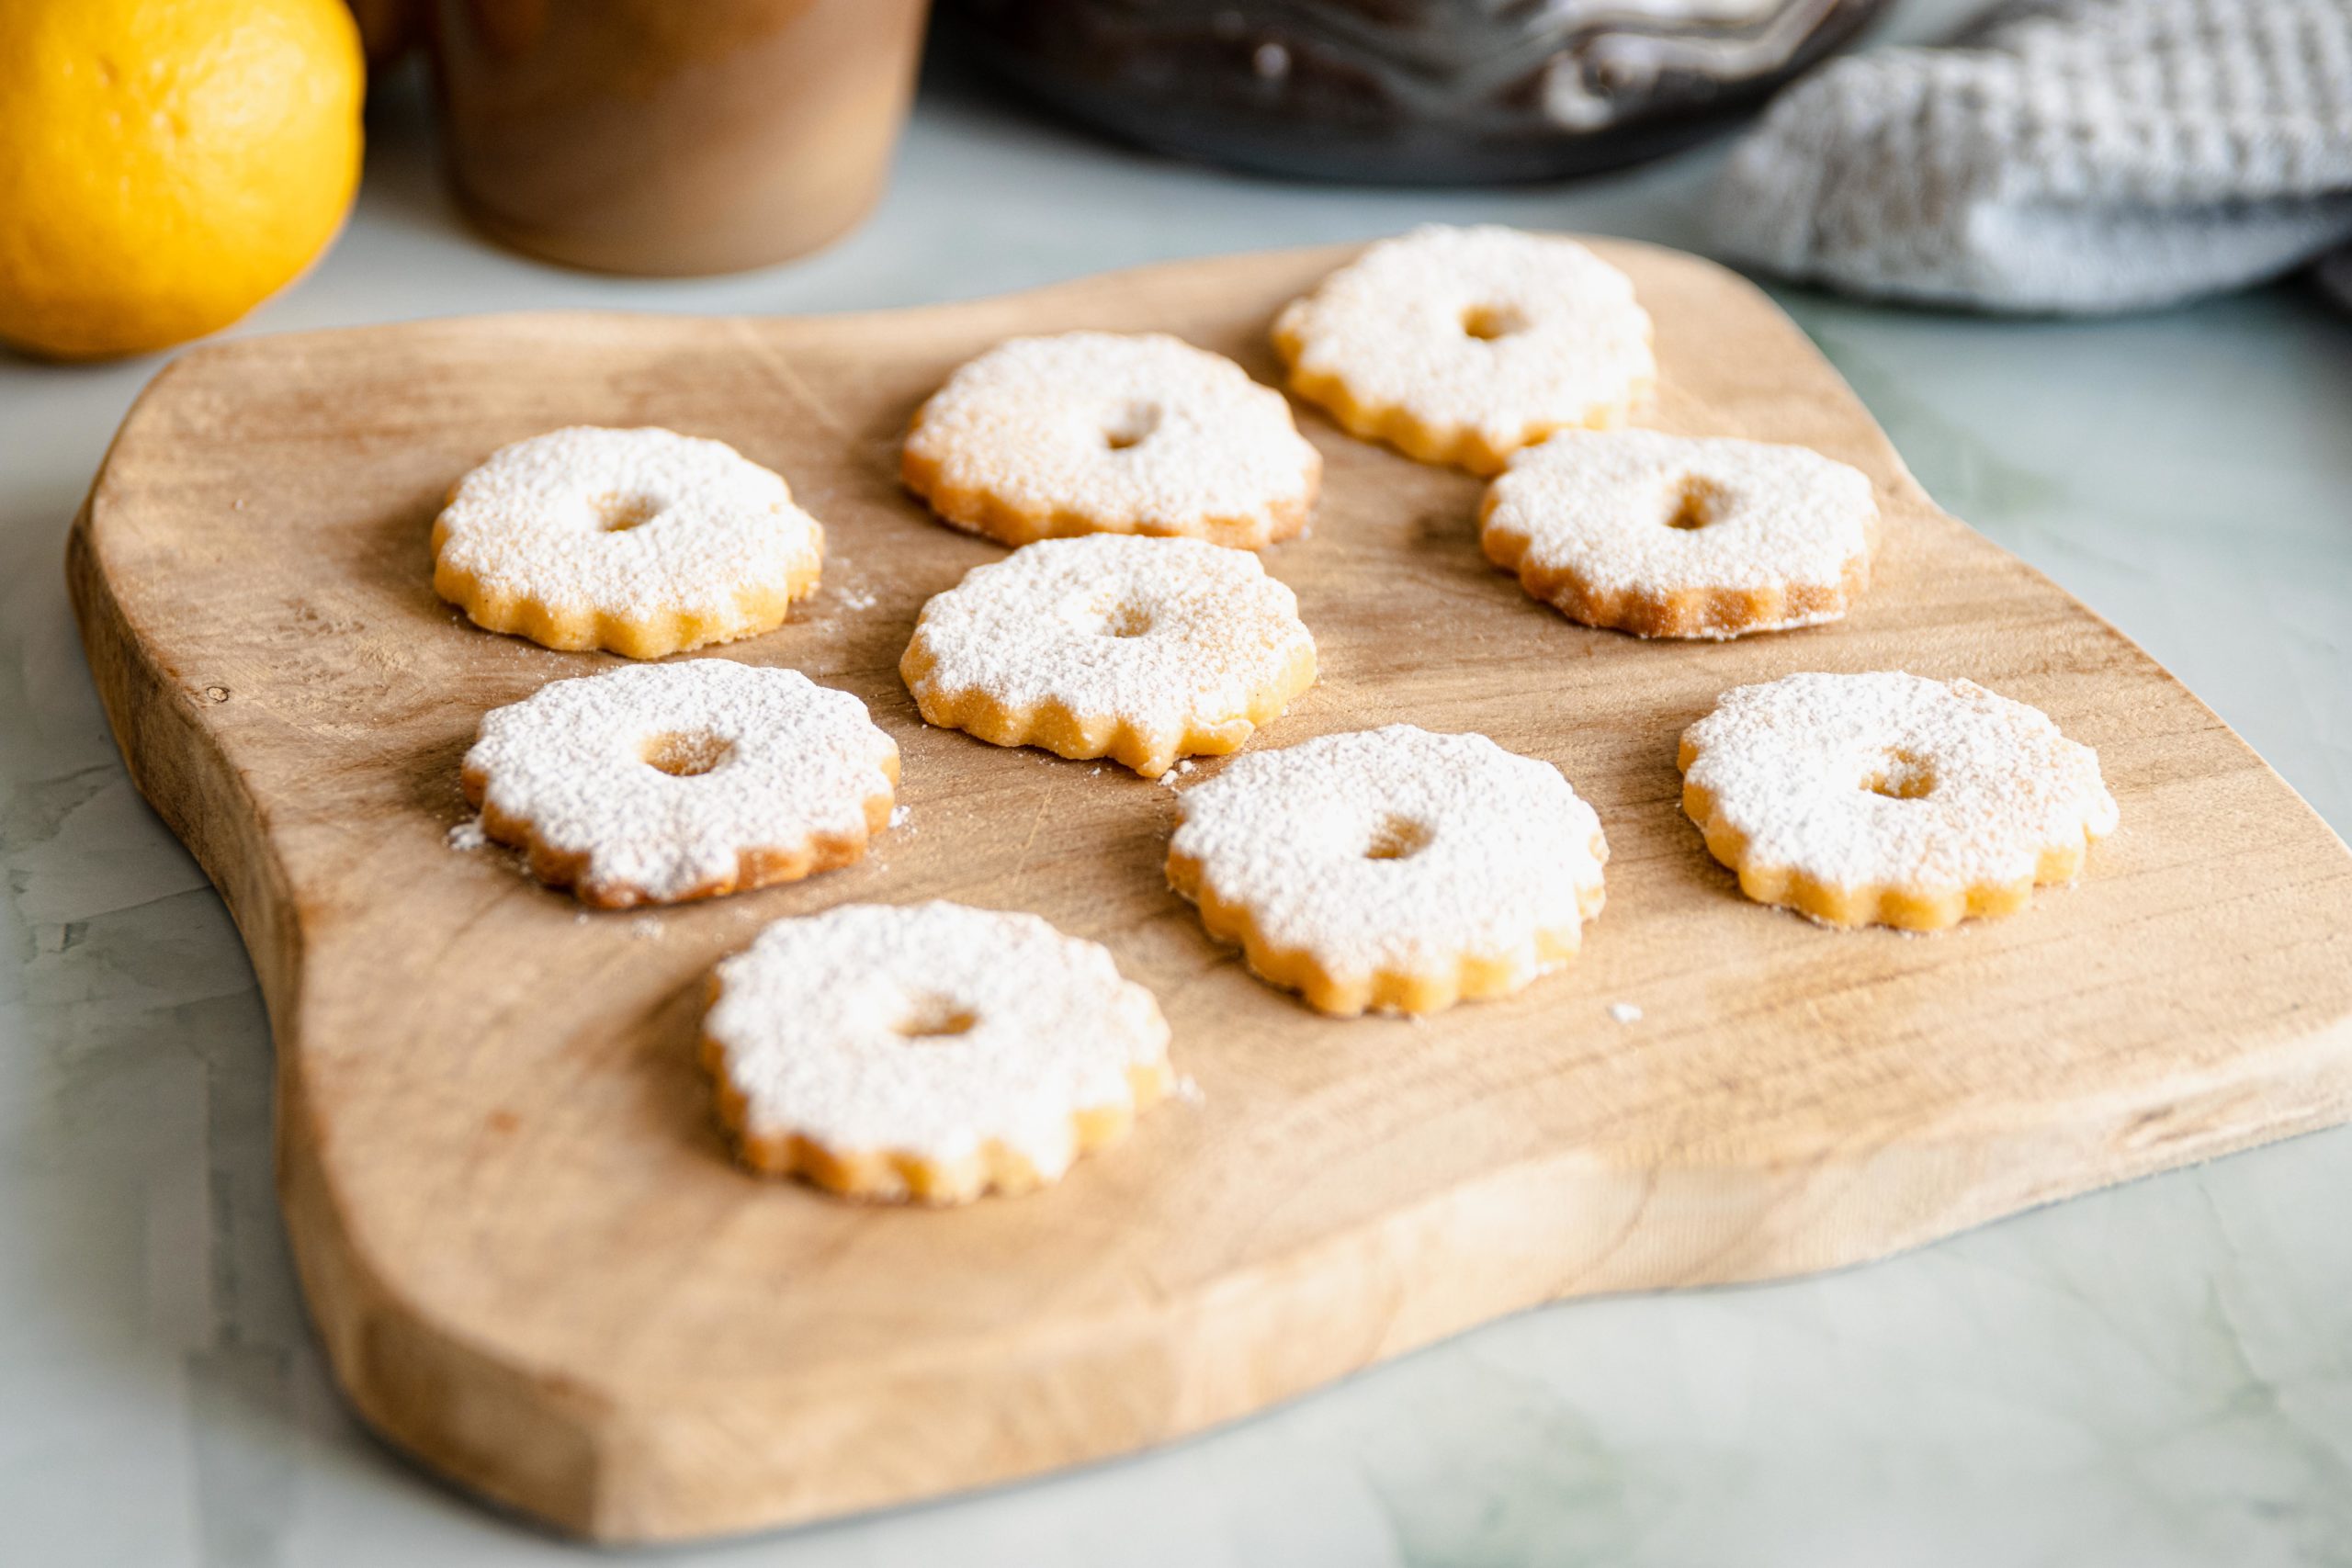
(1185, 766)
(899, 815)
(1624, 1012)
(646, 927)
(1187, 1088)
(581, 918)
(858, 599)
(1091, 772)
(468, 834)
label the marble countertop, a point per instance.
(2154, 1375)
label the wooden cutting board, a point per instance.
(522, 1239)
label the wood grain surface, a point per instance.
(530, 1257)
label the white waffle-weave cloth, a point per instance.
(2061, 155)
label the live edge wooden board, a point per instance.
(535, 1265)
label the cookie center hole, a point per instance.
(1694, 502)
(686, 753)
(1901, 775)
(1125, 620)
(1488, 323)
(1131, 426)
(619, 511)
(936, 1018)
(1396, 838)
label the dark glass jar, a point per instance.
(1405, 91)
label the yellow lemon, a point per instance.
(166, 164)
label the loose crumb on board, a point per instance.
(857, 599)
(1624, 1012)
(646, 927)
(899, 815)
(1187, 1090)
(470, 837)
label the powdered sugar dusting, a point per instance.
(1162, 634)
(930, 1028)
(1488, 330)
(467, 836)
(1642, 511)
(632, 523)
(1119, 433)
(789, 762)
(1891, 779)
(1396, 850)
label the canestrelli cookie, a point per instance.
(654, 784)
(1890, 799)
(928, 1053)
(1143, 651)
(1110, 433)
(644, 542)
(1391, 869)
(1462, 346)
(1671, 535)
